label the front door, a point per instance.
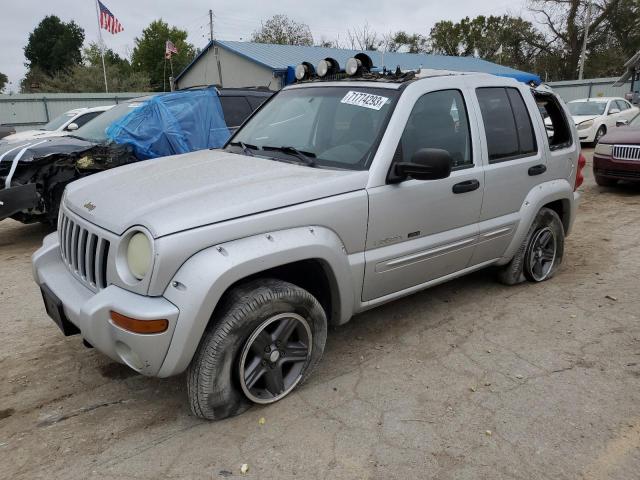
(423, 230)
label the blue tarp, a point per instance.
(173, 123)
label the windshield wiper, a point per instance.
(306, 157)
(246, 147)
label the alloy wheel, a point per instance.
(541, 254)
(274, 357)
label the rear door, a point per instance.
(516, 164)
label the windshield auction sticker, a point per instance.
(366, 100)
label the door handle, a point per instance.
(468, 186)
(537, 170)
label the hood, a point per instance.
(31, 135)
(583, 118)
(37, 149)
(622, 135)
(171, 194)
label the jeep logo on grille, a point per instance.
(89, 206)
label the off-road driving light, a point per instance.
(135, 325)
(304, 71)
(358, 64)
(328, 66)
(139, 253)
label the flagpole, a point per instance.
(104, 69)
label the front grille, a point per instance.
(626, 152)
(84, 252)
(620, 173)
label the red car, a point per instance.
(617, 155)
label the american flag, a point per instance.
(108, 21)
(169, 49)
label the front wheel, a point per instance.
(599, 134)
(266, 340)
(540, 255)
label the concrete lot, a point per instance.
(469, 380)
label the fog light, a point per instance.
(328, 66)
(135, 325)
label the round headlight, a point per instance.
(352, 66)
(139, 254)
(322, 68)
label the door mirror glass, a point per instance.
(72, 127)
(426, 164)
(614, 111)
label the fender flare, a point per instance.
(201, 281)
(537, 198)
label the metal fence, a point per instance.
(24, 111)
(594, 87)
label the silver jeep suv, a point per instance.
(335, 197)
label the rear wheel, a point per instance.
(540, 255)
(606, 182)
(599, 134)
(265, 341)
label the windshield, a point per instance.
(58, 122)
(635, 121)
(587, 108)
(336, 126)
(94, 130)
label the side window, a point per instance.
(622, 105)
(555, 121)
(438, 120)
(235, 109)
(507, 124)
(82, 119)
(526, 136)
(255, 102)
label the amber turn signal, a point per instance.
(139, 326)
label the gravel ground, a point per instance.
(468, 380)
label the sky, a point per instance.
(233, 19)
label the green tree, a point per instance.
(282, 30)
(148, 53)
(3, 81)
(89, 78)
(91, 56)
(54, 45)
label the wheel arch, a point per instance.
(312, 258)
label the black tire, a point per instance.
(213, 378)
(518, 269)
(602, 131)
(606, 182)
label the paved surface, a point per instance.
(469, 380)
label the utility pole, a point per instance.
(583, 54)
(210, 25)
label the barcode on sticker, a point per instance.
(367, 100)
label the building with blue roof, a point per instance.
(245, 64)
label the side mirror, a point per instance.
(614, 111)
(426, 164)
(622, 123)
(72, 127)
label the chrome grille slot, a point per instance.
(84, 252)
(626, 152)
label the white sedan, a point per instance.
(59, 126)
(594, 117)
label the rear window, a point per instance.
(235, 109)
(507, 124)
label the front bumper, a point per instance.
(587, 135)
(16, 199)
(616, 169)
(90, 312)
